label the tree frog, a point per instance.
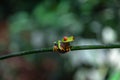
(63, 46)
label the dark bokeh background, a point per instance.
(34, 24)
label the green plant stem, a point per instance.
(82, 47)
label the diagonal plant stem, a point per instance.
(82, 47)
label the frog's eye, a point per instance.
(65, 38)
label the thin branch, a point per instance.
(82, 47)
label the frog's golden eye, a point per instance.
(65, 38)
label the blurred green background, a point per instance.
(34, 24)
